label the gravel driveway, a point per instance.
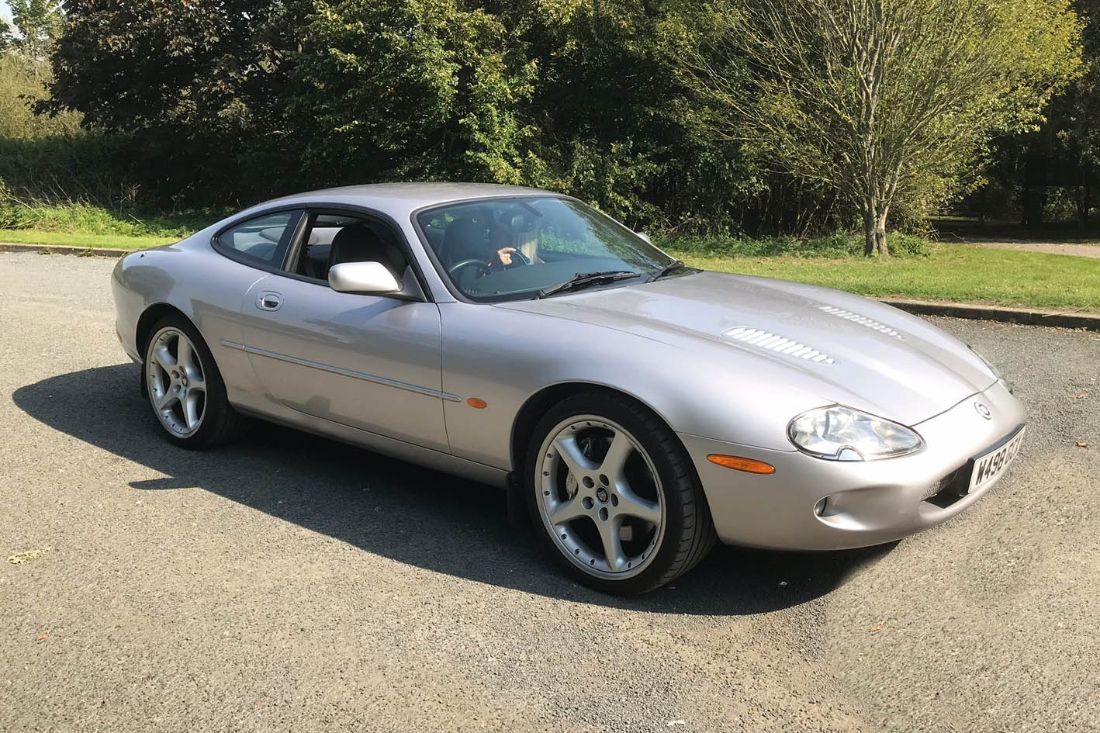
(1054, 248)
(289, 583)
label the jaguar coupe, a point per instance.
(640, 409)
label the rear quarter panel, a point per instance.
(200, 283)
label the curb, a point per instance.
(61, 249)
(972, 311)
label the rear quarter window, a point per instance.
(263, 240)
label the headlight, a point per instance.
(840, 433)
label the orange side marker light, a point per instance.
(737, 463)
(477, 403)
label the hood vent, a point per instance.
(779, 344)
(861, 320)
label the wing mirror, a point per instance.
(644, 237)
(366, 278)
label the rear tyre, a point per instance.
(185, 388)
(614, 496)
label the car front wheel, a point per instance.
(615, 496)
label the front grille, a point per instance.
(948, 489)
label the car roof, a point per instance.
(400, 199)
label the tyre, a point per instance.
(185, 388)
(614, 495)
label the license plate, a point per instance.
(991, 465)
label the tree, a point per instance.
(395, 89)
(5, 36)
(40, 23)
(890, 103)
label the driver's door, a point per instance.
(365, 361)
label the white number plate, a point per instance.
(988, 467)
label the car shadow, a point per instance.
(401, 511)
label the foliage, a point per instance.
(1051, 173)
(236, 101)
(21, 86)
(391, 89)
(40, 23)
(6, 38)
(226, 102)
(883, 101)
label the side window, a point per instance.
(263, 240)
(331, 239)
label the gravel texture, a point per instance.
(1053, 248)
(290, 583)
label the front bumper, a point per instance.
(869, 503)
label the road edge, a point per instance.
(63, 249)
(972, 311)
(981, 312)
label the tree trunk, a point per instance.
(874, 229)
(880, 234)
(1083, 198)
(869, 228)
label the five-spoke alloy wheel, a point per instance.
(185, 388)
(176, 383)
(601, 497)
(615, 494)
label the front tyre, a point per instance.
(185, 388)
(614, 495)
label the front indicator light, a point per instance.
(737, 463)
(839, 433)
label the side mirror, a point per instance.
(366, 278)
(644, 237)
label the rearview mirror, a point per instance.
(644, 237)
(367, 278)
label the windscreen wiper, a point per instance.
(586, 279)
(668, 269)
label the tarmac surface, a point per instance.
(291, 583)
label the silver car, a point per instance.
(639, 408)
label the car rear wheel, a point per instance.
(615, 496)
(185, 388)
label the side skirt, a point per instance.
(391, 447)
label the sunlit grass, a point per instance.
(960, 273)
(84, 240)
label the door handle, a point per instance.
(269, 301)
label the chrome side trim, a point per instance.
(375, 379)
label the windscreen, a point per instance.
(511, 248)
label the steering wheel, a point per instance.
(458, 267)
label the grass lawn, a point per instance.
(961, 273)
(76, 239)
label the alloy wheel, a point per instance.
(600, 497)
(176, 382)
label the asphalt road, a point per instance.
(289, 583)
